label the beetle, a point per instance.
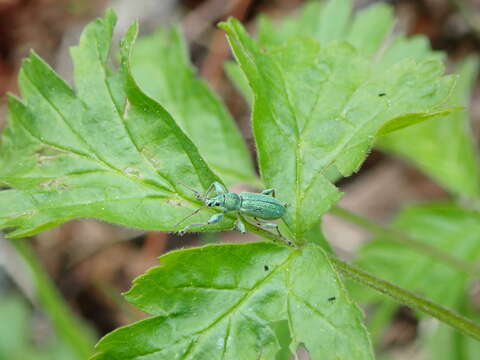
(260, 206)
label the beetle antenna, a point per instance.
(191, 214)
(198, 195)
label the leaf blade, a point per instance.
(162, 67)
(67, 155)
(454, 164)
(244, 297)
(301, 130)
(441, 225)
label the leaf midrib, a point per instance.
(122, 120)
(229, 311)
(96, 157)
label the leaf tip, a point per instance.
(126, 43)
(230, 25)
(110, 16)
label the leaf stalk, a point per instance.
(397, 293)
(406, 297)
(67, 325)
(406, 240)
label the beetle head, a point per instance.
(215, 201)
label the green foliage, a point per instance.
(228, 301)
(322, 92)
(449, 228)
(111, 152)
(330, 21)
(318, 106)
(454, 164)
(77, 338)
(339, 22)
(448, 344)
(162, 68)
(107, 151)
(442, 147)
(16, 334)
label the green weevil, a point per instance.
(259, 206)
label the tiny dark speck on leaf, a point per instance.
(382, 94)
(266, 268)
(331, 298)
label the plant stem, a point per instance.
(399, 294)
(66, 325)
(406, 297)
(406, 240)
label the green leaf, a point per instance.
(448, 344)
(444, 148)
(330, 21)
(75, 334)
(161, 65)
(446, 226)
(407, 120)
(106, 151)
(370, 28)
(17, 330)
(239, 80)
(14, 325)
(273, 33)
(454, 166)
(318, 107)
(400, 47)
(323, 22)
(237, 311)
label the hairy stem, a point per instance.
(406, 297)
(397, 293)
(406, 240)
(67, 325)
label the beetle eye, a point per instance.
(217, 204)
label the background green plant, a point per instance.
(15, 327)
(322, 93)
(443, 148)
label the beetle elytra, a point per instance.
(259, 206)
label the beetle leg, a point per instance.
(213, 220)
(269, 192)
(272, 226)
(219, 188)
(209, 190)
(240, 225)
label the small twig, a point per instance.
(406, 240)
(66, 324)
(397, 293)
(406, 297)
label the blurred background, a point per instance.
(83, 266)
